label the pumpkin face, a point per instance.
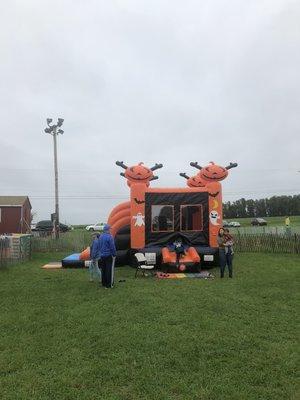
(213, 173)
(196, 181)
(138, 174)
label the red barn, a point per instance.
(15, 214)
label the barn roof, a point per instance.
(13, 200)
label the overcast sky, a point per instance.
(147, 80)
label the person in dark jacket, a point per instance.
(95, 256)
(179, 249)
(107, 249)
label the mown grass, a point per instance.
(64, 338)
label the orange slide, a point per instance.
(118, 218)
(85, 254)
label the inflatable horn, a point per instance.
(184, 175)
(156, 166)
(195, 165)
(231, 165)
(121, 164)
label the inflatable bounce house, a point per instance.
(154, 220)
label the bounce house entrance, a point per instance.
(169, 216)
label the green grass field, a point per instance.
(65, 338)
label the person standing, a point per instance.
(225, 256)
(228, 246)
(288, 226)
(287, 221)
(95, 256)
(107, 250)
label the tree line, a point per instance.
(274, 206)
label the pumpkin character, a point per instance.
(138, 173)
(194, 181)
(138, 179)
(213, 172)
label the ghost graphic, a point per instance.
(213, 217)
(139, 219)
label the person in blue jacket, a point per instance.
(107, 249)
(95, 256)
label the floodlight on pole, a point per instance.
(52, 130)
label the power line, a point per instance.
(40, 195)
(127, 197)
(75, 171)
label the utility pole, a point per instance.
(55, 130)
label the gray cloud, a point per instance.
(157, 81)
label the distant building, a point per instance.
(15, 214)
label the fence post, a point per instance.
(296, 242)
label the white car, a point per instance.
(96, 227)
(234, 224)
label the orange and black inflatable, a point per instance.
(154, 218)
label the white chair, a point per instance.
(142, 264)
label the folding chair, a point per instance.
(142, 264)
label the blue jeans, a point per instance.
(94, 269)
(223, 260)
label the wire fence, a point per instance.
(5, 254)
(268, 243)
(264, 230)
(14, 248)
(74, 241)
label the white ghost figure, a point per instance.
(139, 219)
(213, 217)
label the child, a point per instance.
(179, 250)
(95, 257)
(228, 242)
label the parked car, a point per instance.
(234, 224)
(47, 226)
(95, 227)
(226, 223)
(258, 222)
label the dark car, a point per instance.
(258, 222)
(47, 226)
